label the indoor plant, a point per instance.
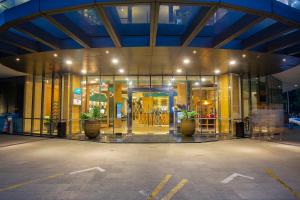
(187, 124)
(91, 122)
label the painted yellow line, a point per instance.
(159, 187)
(29, 182)
(274, 176)
(175, 189)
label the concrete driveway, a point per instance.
(63, 169)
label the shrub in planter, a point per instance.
(91, 122)
(187, 124)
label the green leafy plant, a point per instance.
(188, 115)
(93, 114)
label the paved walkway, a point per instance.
(58, 169)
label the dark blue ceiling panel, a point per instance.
(256, 28)
(168, 41)
(135, 41)
(70, 44)
(99, 42)
(203, 42)
(48, 27)
(88, 21)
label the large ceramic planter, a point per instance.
(91, 128)
(187, 127)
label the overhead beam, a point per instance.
(198, 23)
(65, 25)
(233, 31)
(18, 41)
(39, 35)
(154, 23)
(284, 42)
(265, 35)
(108, 26)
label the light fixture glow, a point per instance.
(121, 70)
(217, 71)
(186, 61)
(179, 70)
(232, 62)
(203, 79)
(69, 62)
(284, 60)
(244, 55)
(115, 61)
(296, 85)
(55, 55)
(194, 52)
(83, 71)
(173, 79)
(197, 83)
(17, 59)
(169, 84)
(107, 52)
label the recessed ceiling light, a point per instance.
(69, 62)
(217, 71)
(179, 70)
(115, 61)
(232, 62)
(55, 55)
(17, 59)
(121, 70)
(186, 61)
(244, 55)
(284, 60)
(197, 83)
(194, 52)
(107, 52)
(83, 71)
(203, 79)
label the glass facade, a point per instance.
(131, 104)
(146, 104)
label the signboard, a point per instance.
(119, 110)
(77, 97)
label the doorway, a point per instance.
(150, 111)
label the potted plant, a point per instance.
(91, 122)
(187, 124)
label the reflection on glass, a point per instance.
(139, 14)
(171, 14)
(292, 3)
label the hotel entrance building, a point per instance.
(140, 63)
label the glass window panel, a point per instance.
(37, 104)
(292, 3)
(180, 15)
(28, 103)
(47, 122)
(138, 14)
(144, 81)
(156, 81)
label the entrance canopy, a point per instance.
(264, 26)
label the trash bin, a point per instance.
(61, 129)
(239, 129)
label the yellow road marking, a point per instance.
(175, 189)
(274, 176)
(28, 182)
(159, 187)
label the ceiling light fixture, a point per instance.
(197, 83)
(17, 59)
(217, 71)
(69, 62)
(115, 61)
(232, 62)
(179, 70)
(121, 70)
(203, 79)
(284, 60)
(244, 55)
(83, 71)
(186, 61)
(55, 55)
(107, 52)
(194, 52)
